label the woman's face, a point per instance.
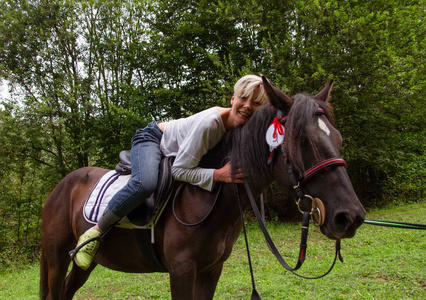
(244, 107)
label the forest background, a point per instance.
(82, 76)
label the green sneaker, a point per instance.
(85, 255)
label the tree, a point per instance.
(84, 75)
(375, 52)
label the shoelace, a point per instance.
(90, 247)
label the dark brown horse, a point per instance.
(194, 256)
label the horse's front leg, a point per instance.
(205, 283)
(182, 281)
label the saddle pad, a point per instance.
(104, 190)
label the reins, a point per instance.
(303, 243)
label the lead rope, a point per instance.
(395, 224)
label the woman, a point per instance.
(188, 139)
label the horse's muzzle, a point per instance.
(343, 224)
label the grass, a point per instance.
(380, 263)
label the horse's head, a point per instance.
(311, 150)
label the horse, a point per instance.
(194, 255)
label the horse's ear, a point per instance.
(324, 95)
(276, 97)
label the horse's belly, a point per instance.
(121, 251)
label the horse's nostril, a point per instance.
(345, 224)
(342, 219)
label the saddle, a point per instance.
(124, 167)
(149, 211)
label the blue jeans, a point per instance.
(145, 157)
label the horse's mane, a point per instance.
(246, 147)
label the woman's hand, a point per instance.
(224, 174)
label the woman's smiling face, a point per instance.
(244, 107)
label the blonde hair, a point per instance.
(246, 86)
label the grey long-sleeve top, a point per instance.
(189, 139)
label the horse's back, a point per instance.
(65, 203)
(76, 182)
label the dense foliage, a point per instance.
(84, 75)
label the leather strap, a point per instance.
(303, 244)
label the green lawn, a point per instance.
(380, 263)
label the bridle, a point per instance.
(313, 209)
(298, 180)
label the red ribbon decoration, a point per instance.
(277, 127)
